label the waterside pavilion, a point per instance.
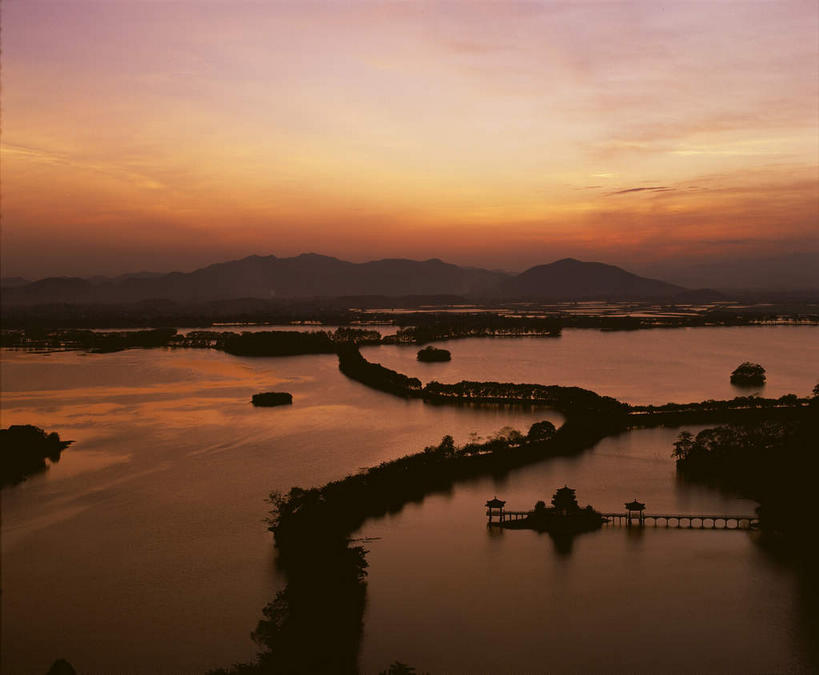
(635, 507)
(494, 507)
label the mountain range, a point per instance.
(311, 276)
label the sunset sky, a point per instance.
(145, 135)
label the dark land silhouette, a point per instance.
(420, 320)
(312, 276)
(61, 667)
(432, 355)
(272, 398)
(278, 343)
(773, 462)
(97, 342)
(34, 331)
(356, 367)
(24, 450)
(420, 329)
(564, 516)
(584, 281)
(748, 374)
(261, 343)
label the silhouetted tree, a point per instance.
(61, 667)
(683, 445)
(431, 354)
(24, 449)
(447, 445)
(541, 431)
(748, 373)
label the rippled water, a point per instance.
(144, 550)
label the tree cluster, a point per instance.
(24, 450)
(278, 343)
(748, 373)
(356, 367)
(773, 462)
(569, 400)
(432, 355)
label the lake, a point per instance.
(144, 549)
(447, 594)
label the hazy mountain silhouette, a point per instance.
(576, 280)
(13, 282)
(310, 275)
(781, 272)
(304, 276)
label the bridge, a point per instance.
(679, 520)
(688, 521)
(635, 516)
(504, 516)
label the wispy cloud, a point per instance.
(114, 168)
(652, 188)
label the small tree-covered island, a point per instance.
(272, 398)
(25, 449)
(564, 516)
(748, 374)
(432, 355)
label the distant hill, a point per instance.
(576, 280)
(305, 276)
(13, 282)
(316, 276)
(796, 271)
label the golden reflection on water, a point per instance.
(163, 495)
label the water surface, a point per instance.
(447, 594)
(655, 366)
(144, 550)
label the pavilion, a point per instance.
(494, 507)
(635, 507)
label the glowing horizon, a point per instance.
(151, 135)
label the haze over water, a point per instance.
(144, 548)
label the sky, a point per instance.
(149, 135)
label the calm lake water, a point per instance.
(144, 550)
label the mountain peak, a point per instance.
(571, 279)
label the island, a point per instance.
(565, 516)
(431, 355)
(272, 398)
(748, 373)
(25, 449)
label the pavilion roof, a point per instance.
(635, 506)
(495, 503)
